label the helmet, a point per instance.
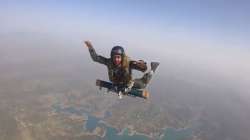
(117, 50)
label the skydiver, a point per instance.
(120, 68)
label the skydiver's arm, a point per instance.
(94, 55)
(138, 65)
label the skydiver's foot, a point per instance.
(154, 65)
(145, 94)
(98, 83)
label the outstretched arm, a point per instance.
(138, 65)
(94, 56)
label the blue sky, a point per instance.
(210, 20)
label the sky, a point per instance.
(225, 21)
(208, 34)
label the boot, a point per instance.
(145, 94)
(154, 65)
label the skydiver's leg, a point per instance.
(141, 83)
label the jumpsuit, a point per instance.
(121, 75)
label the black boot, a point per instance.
(154, 65)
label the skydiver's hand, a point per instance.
(141, 63)
(88, 44)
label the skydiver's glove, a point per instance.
(88, 44)
(141, 64)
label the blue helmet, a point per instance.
(117, 50)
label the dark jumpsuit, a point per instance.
(121, 74)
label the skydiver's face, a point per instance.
(117, 59)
